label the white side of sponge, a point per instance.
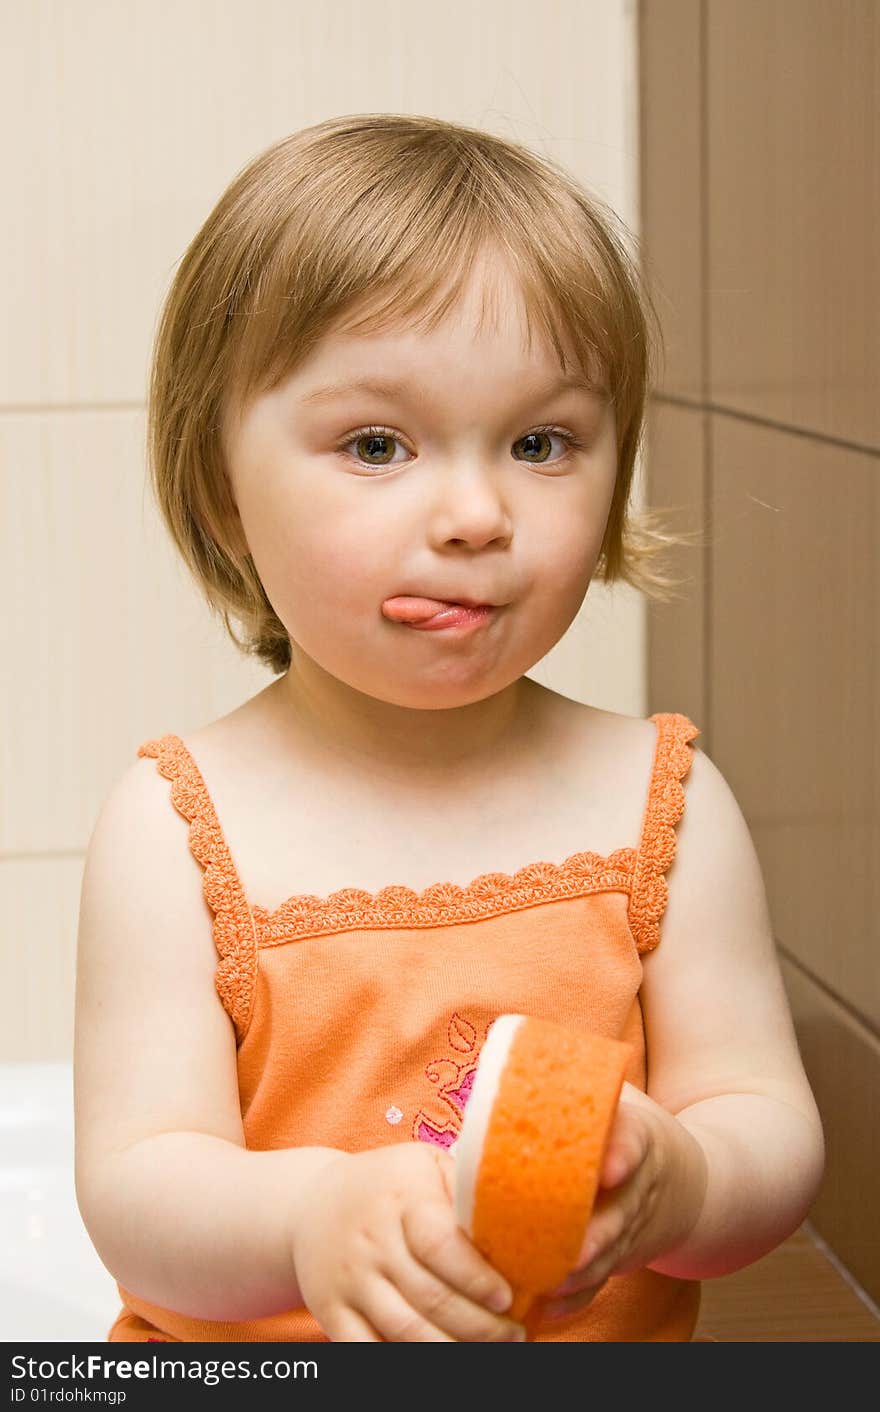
(468, 1147)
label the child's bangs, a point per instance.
(403, 272)
(431, 288)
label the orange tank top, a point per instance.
(390, 996)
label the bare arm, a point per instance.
(723, 1056)
(764, 1161)
(182, 1213)
(195, 1223)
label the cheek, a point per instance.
(564, 538)
(310, 551)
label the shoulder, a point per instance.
(145, 893)
(143, 915)
(137, 835)
(614, 732)
(714, 868)
(712, 838)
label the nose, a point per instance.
(470, 505)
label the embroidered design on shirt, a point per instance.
(439, 1121)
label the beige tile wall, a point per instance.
(123, 125)
(760, 204)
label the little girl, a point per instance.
(397, 394)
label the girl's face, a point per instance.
(477, 477)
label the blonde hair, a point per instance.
(388, 212)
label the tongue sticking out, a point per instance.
(412, 610)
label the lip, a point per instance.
(448, 598)
(465, 602)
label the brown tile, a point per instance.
(785, 643)
(671, 133)
(674, 448)
(793, 210)
(795, 687)
(842, 1062)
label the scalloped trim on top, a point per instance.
(665, 806)
(446, 902)
(239, 929)
(234, 932)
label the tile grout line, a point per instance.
(841, 1269)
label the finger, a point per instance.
(577, 1280)
(350, 1327)
(612, 1215)
(616, 1166)
(442, 1247)
(571, 1304)
(386, 1306)
(613, 1255)
(445, 1308)
(590, 1276)
(587, 1274)
(624, 1156)
(445, 1318)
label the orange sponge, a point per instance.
(531, 1148)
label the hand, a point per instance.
(379, 1255)
(651, 1189)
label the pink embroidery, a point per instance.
(440, 1121)
(461, 1094)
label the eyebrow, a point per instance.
(393, 387)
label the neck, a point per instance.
(398, 745)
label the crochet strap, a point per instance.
(234, 932)
(672, 760)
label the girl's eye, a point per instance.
(372, 439)
(545, 433)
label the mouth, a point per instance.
(456, 618)
(411, 606)
(417, 612)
